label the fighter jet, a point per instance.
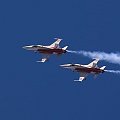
(84, 70)
(48, 50)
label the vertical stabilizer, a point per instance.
(56, 43)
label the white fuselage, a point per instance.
(83, 68)
(35, 47)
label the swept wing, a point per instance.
(82, 77)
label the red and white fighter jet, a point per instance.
(84, 70)
(47, 50)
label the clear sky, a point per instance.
(35, 91)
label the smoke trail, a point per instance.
(109, 57)
(113, 71)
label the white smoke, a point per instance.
(109, 57)
(113, 71)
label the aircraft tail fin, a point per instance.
(102, 68)
(64, 48)
(56, 43)
(93, 63)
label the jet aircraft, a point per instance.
(84, 70)
(48, 50)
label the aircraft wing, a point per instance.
(44, 59)
(43, 47)
(93, 63)
(82, 77)
(56, 43)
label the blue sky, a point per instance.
(34, 91)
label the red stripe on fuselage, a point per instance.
(89, 70)
(52, 51)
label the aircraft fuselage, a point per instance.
(89, 70)
(52, 51)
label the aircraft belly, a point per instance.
(51, 51)
(88, 70)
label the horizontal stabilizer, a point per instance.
(102, 68)
(64, 48)
(80, 79)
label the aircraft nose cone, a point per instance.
(62, 65)
(65, 65)
(27, 47)
(24, 47)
